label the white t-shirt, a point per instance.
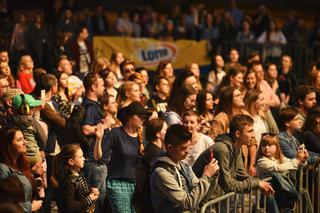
(195, 150)
(259, 128)
(84, 58)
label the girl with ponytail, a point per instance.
(72, 186)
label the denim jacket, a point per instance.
(289, 146)
(6, 171)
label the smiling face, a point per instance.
(237, 100)
(237, 80)
(251, 80)
(191, 122)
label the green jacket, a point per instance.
(233, 177)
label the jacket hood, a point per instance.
(163, 159)
(226, 139)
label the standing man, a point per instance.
(95, 171)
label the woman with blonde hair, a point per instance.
(99, 64)
(128, 93)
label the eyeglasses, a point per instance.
(269, 134)
(129, 70)
(4, 86)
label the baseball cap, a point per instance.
(135, 108)
(17, 101)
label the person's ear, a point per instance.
(71, 162)
(169, 148)
(158, 134)
(300, 102)
(237, 133)
(287, 124)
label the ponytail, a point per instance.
(140, 140)
(60, 162)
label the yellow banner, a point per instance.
(149, 52)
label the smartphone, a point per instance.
(43, 96)
(301, 147)
(211, 154)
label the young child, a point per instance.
(76, 196)
(199, 141)
(270, 157)
(271, 162)
(25, 74)
(289, 123)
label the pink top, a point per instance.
(269, 95)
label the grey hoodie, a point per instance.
(175, 188)
(233, 177)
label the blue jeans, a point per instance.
(96, 176)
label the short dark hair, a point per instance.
(157, 81)
(125, 63)
(177, 134)
(89, 80)
(285, 115)
(302, 92)
(152, 128)
(238, 123)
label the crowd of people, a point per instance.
(41, 34)
(99, 135)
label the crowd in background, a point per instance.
(257, 115)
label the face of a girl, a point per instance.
(119, 58)
(110, 79)
(18, 145)
(237, 99)
(168, 70)
(285, 62)
(163, 131)
(135, 93)
(269, 150)
(259, 103)
(251, 80)
(191, 122)
(209, 101)
(145, 76)
(78, 159)
(190, 101)
(194, 68)
(63, 80)
(137, 121)
(237, 80)
(191, 81)
(272, 71)
(219, 61)
(112, 107)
